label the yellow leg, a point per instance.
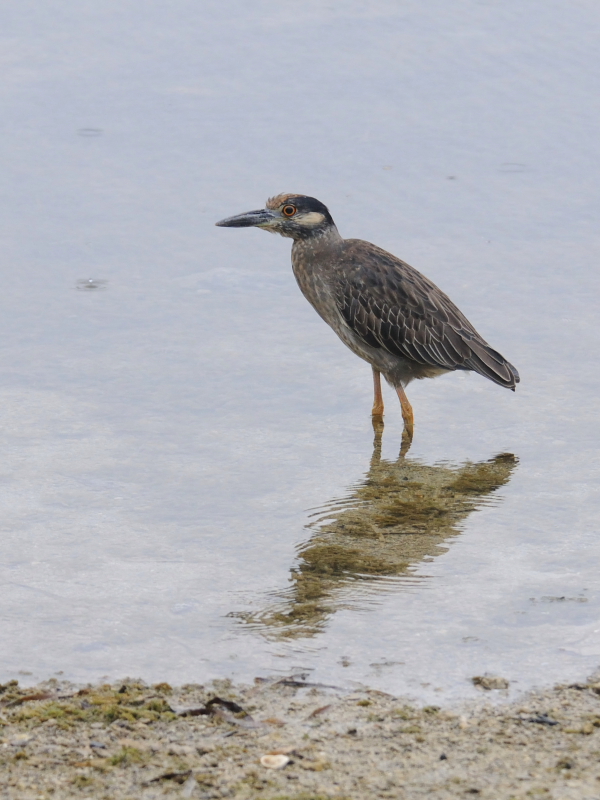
(409, 420)
(377, 410)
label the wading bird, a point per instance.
(381, 308)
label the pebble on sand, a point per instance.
(490, 682)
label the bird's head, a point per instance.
(292, 215)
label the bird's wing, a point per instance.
(389, 304)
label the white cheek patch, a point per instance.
(310, 219)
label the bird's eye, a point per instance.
(288, 211)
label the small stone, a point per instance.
(181, 750)
(274, 761)
(587, 728)
(489, 682)
(189, 787)
(21, 739)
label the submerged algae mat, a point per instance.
(130, 740)
(403, 513)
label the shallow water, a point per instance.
(174, 414)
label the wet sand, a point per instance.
(130, 739)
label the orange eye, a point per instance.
(288, 211)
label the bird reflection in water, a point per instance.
(401, 514)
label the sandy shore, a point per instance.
(286, 738)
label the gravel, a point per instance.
(290, 739)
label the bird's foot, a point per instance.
(409, 421)
(377, 422)
(407, 437)
(377, 410)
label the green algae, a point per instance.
(101, 704)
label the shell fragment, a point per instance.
(274, 761)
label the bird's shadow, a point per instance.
(402, 513)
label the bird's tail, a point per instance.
(491, 364)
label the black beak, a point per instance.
(251, 218)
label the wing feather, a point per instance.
(389, 304)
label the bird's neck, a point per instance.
(318, 242)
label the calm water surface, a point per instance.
(189, 486)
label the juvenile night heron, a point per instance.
(381, 308)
